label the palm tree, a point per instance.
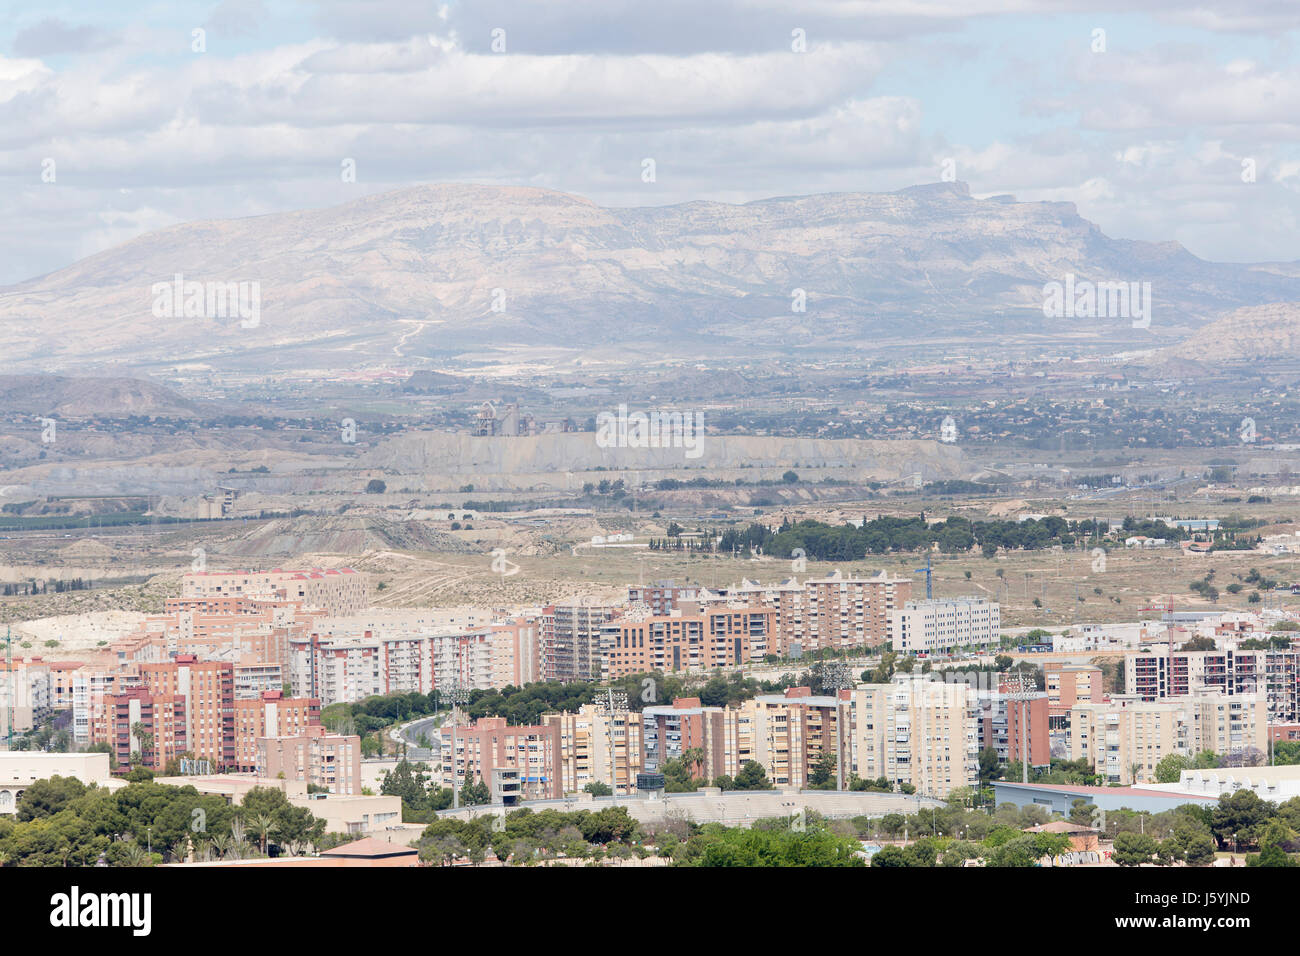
(263, 825)
(136, 855)
(220, 845)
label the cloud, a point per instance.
(53, 36)
(1148, 139)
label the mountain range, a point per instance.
(430, 275)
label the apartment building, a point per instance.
(336, 591)
(1161, 672)
(570, 647)
(1126, 737)
(515, 652)
(831, 612)
(61, 678)
(270, 715)
(1016, 726)
(516, 763)
(916, 731)
(24, 693)
(314, 757)
(598, 745)
(786, 734)
(668, 732)
(662, 596)
(138, 722)
(254, 677)
(207, 692)
(91, 686)
(690, 637)
(942, 626)
(335, 669)
(1070, 684)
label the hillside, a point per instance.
(417, 276)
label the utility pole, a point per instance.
(9, 704)
(613, 696)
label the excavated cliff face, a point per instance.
(715, 456)
(439, 461)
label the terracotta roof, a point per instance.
(1060, 826)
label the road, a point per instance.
(409, 734)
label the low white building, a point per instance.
(19, 769)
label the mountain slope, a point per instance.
(1255, 332)
(410, 276)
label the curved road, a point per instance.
(409, 734)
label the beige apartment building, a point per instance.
(597, 745)
(786, 734)
(836, 611)
(921, 732)
(313, 757)
(336, 591)
(1125, 738)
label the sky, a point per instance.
(1160, 120)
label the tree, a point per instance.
(889, 856)
(375, 487)
(475, 794)
(1082, 812)
(790, 478)
(1020, 851)
(598, 788)
(823, 772)
(1171, 767)
(43, 798)
(990, 766)
(1197, 845)
(1239, 816)
(752, 777)
(1134, 849)
(262, 824)
(141, 733)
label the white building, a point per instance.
(943, 625)
(19, 769)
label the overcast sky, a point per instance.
(1148, 135)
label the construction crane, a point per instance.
(1165, 609)
(929, 589)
